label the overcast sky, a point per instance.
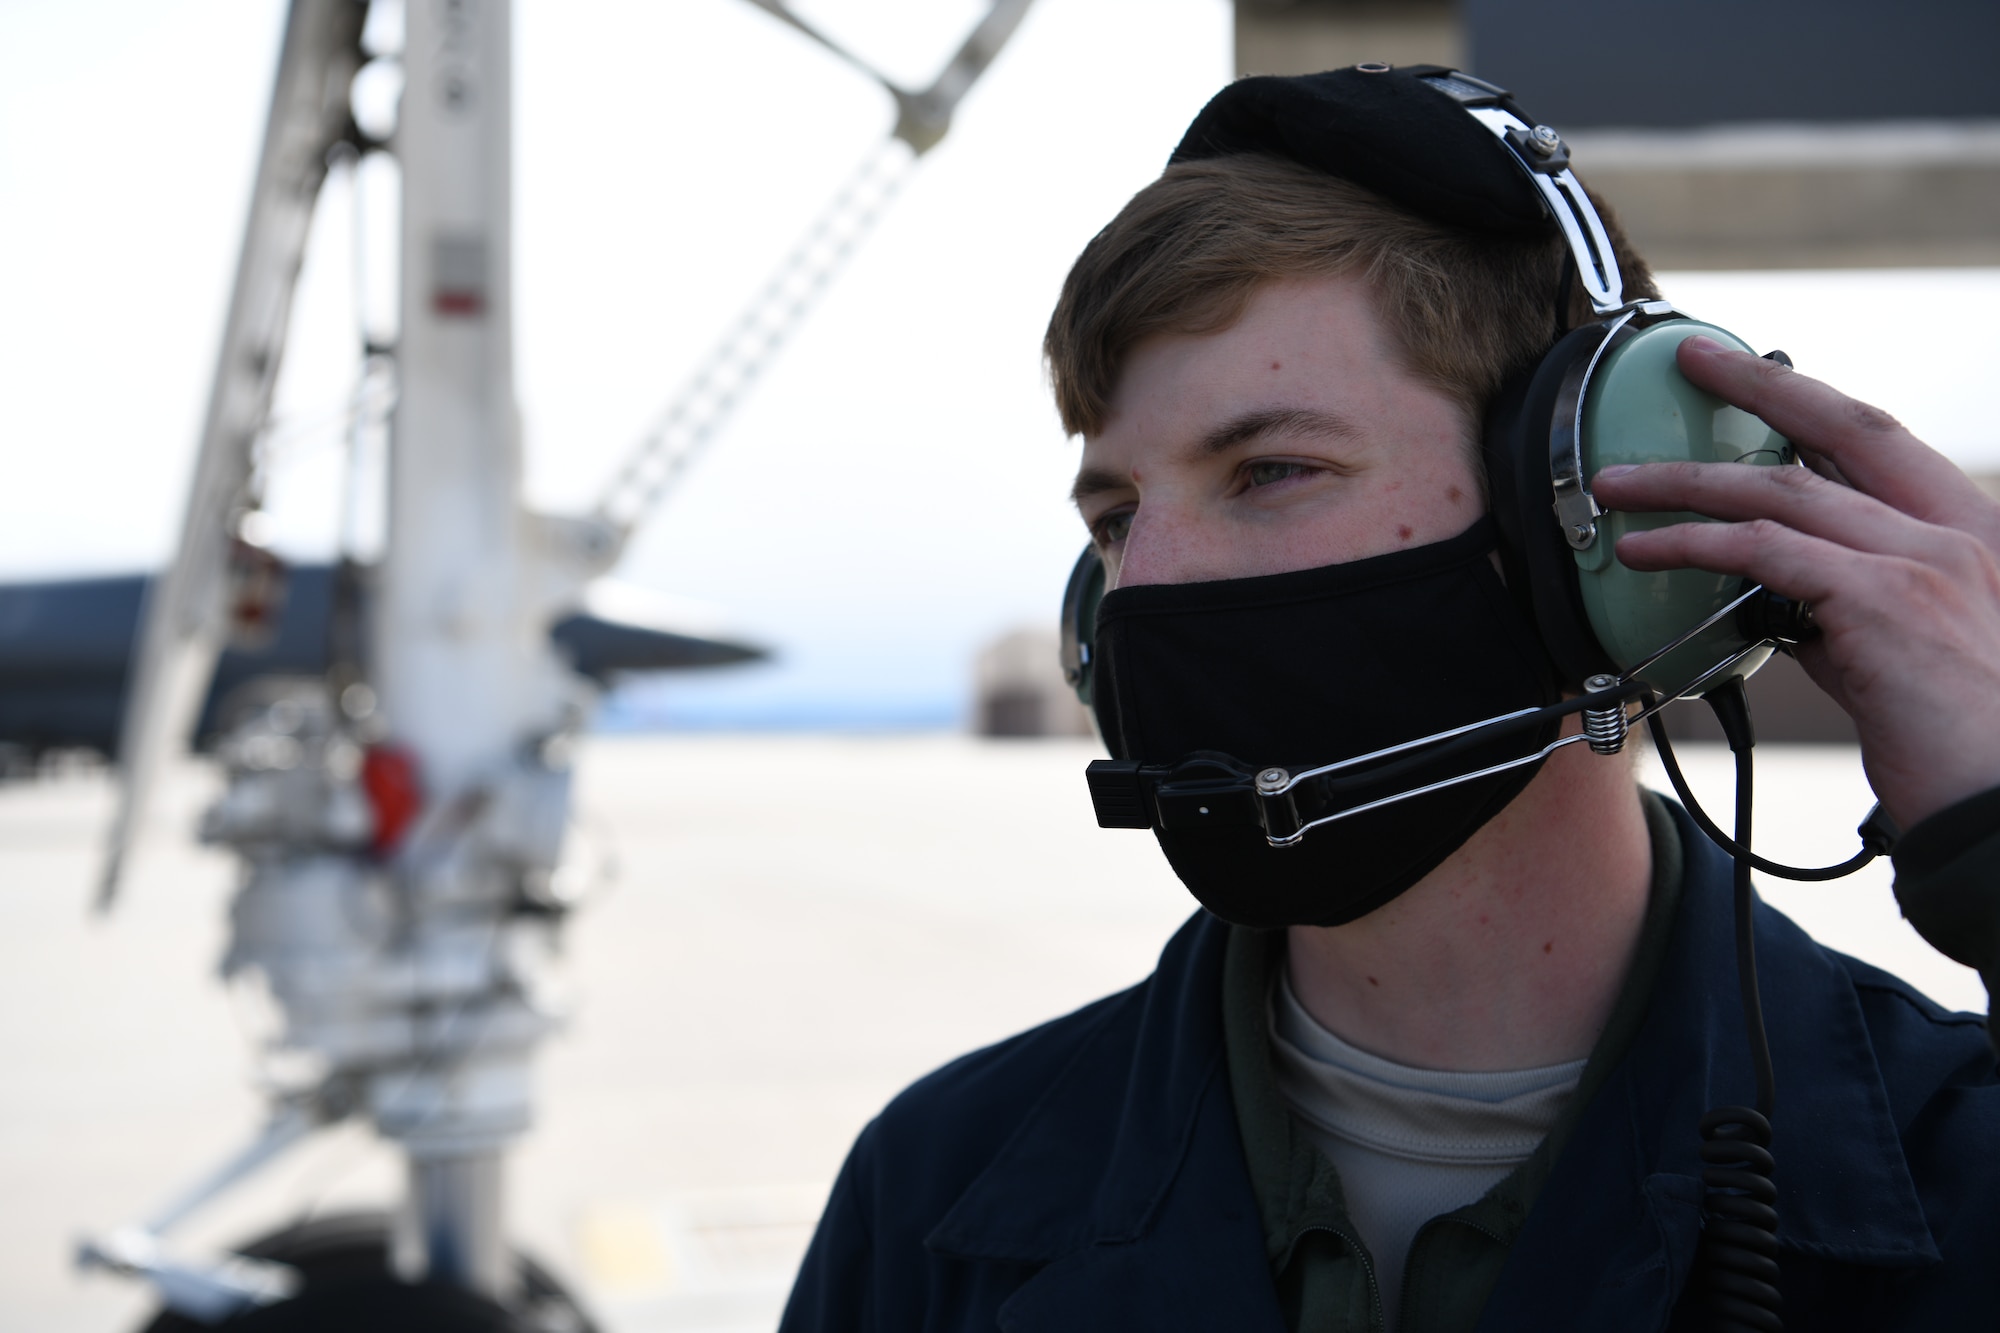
(893, 494)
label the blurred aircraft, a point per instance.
(396, 738)
(66, 649)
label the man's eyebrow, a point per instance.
(1095, 481)
(1237, 430)
(1274, 421)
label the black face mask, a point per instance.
(1303, 669)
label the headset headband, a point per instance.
(1471, 158)
(1542, 154)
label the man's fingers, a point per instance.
(1837, 578)
(1868, 447)
(1823, 465)
(1783, 560)
(1795, 497)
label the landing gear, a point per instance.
(348, 1288)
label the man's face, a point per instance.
(1293, 439)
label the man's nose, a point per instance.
(1162, 546)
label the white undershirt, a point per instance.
(1410, 1144)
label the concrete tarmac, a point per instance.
(793, 929)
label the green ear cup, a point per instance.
(1639, 408)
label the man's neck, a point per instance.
(1511, 953)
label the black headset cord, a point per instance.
(1736, 1264)
(1876, 836)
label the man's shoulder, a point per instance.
(1921, 1048)
(1902, 1004)
(1048, 1103)
(1814, 993)
(974, 1103)
(981, 1173)
(1901, 1117)
(963, 1130)
(1931, 1077)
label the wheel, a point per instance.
(348, 1288)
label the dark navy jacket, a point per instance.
(1088, 1174)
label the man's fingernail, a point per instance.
(1702, 343)
(1617, 470)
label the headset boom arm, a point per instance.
(185, 619)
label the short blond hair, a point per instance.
(1189, 251)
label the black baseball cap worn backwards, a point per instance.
(1401, 132)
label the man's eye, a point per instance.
(1112, 528)
(1264, 474)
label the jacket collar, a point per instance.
(1090, 1176)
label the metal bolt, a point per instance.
(1272, 781)
(1598, 684)
(1544, 141)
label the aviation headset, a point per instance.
(1460, 150)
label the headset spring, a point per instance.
(1739, 1247)
(1604, 728)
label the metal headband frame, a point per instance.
(1543, 156)
(1541, 153)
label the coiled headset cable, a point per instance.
(1737, 1262)
(1736, 1266)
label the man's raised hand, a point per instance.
(1897, 550)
